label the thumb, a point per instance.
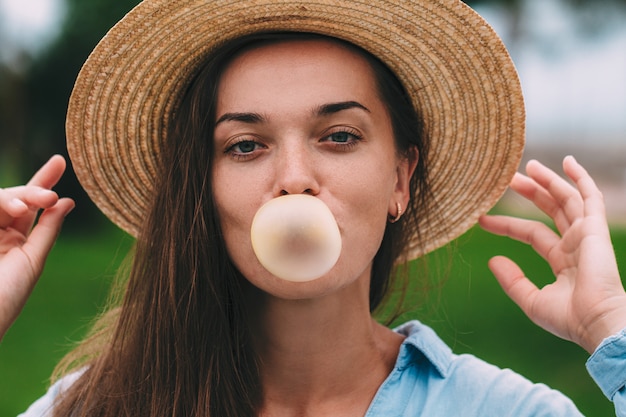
(513, 281)
(44, 234)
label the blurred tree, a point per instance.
(590, 15)
(33, 104)
(49, 83)
(11, 115)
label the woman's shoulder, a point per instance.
(430, 380)
(43, 407)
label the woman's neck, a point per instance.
(323, 356)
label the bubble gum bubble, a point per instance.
(296, 238)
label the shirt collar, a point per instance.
(422, 340)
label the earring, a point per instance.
(398, 215)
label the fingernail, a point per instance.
(18, 204)
(45, 193)
(69, 210)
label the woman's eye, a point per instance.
(343, 137)
(244, 149)
(245, 146)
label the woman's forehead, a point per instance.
(299, 51)
(298, 67)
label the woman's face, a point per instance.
(305, 117)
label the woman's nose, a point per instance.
(295, 172)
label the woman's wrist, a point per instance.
(606, 324)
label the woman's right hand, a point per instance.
(24, 248)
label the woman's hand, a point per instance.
(587, 301)
(24, 248)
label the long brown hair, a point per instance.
(180, 343)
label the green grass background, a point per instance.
(469, 311)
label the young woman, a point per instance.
(183, 146)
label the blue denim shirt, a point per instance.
(429, 380)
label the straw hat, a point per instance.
(455, 68)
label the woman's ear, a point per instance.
(401, 193)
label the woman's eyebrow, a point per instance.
(241, 117)
(332, 108)
(322, 110)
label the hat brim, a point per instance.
(453, 65)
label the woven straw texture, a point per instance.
(454, 66)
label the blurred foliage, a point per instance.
(590, 16)
(34, 104)
(33, 101)
(50, 83)
(462, 302)
(32, 117)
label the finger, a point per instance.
(45, 233)
(15, 199)
(591, 194)
(45, 178)
(50, 173)
(566, 196)
(538, 235)
(35, 250)
(539, 196)
(514, 283)
(11, 205)
(19, 205)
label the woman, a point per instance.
(185, 146)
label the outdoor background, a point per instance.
(571, 55)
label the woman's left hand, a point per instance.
(587, 301)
